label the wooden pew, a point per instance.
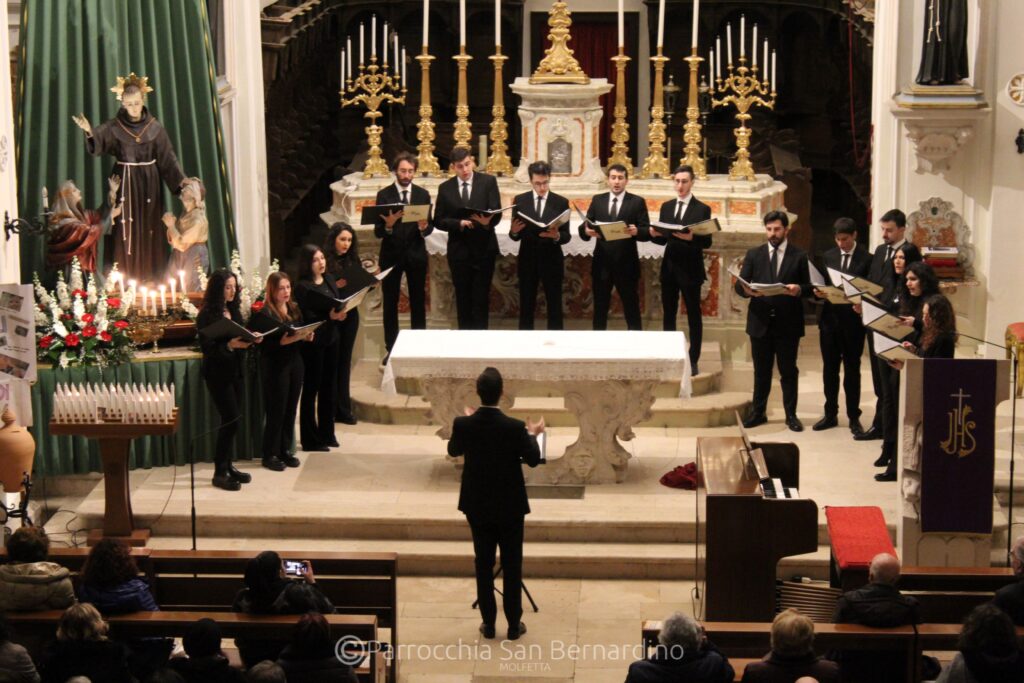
(948, 594)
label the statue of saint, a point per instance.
(187, 235)
(144, 156)
(74, 231)
(944, 53)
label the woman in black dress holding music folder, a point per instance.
(280, 369)
(345, 268)
(222, 372)
(317, 296)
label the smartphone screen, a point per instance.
(294, 567)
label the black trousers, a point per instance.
(841, 346)
(347, 331)
(671, 288)
(472, 282)
(876, 384)
(487, 537)
(551, 275)
(391, 289)
(890, 378)
(603, 279)
(778, 350)
(227, 398)
(319, 383)
(282, 384)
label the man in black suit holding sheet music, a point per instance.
(472, 245)
(540, 251)
(775, 323)
(617, 262)
(682, 267)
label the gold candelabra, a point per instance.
(691, 131)
(656, 164)
(374, 86)
(463, 132)
(620, 129)
(425, 128)
(498, 163)
(743, 88)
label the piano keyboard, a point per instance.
(773, 488)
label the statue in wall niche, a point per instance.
(944, 51)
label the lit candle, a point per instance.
(396, 53)
(766, 57)
(497, 22)
(728, 44)
(743, 35)
(773, 71)
(373, 36)
(181, 273)
(343, 67)
(711, 64)
(348, 61)
(361, 60)
(718, 55)
(622, 26)
(142, 306)
(404, 67)
(462, 23)
(163, 298)
(426, 23)
(384, 43)
(661, 24)
(696, 13)
(174, 290)
(152, 298)
(753, 46)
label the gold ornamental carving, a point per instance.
(558, 65)
(499, 163)
(620, 129)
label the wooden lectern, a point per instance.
(115, 439)
(747, 533)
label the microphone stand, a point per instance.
(1013, 434)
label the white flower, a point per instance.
(63, 293)
(63, 359)
(102, 325)
(190, 310)
(90, 290)
(42, 319)
(76, 274)
(59, 329)
(42, 296)
(78, 309)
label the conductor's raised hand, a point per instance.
(535, 428)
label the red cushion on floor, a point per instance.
(857, 535)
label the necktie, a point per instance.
(405, 196)
(679, 211)
(775, 264)
(540, 200)
(465, 193)
(846, 263)
(615, 207)
(888, 254)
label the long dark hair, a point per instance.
(988, 630)
(263, 580)
(109, 563)
(911, 305)
(306, 255)
(213, 299)
(335, 261)
(942, 318)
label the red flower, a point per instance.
(257, 306)
(88, 318)
(121, 324)
(105, 336)
(113, 302)
(46, 341)
(71, 340)
(67, 316)
(89, 331)
(79, 292)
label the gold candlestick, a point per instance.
(372, 87)
(691, 131)
(656, 164)
(499, 163)
(620, 129)
(425, 128)
(463, 129)
(744, 89)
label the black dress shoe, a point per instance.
(827, 422)
(273, 464)
(238, 475)
(882, 460)
(223, 481)
(347, 419)
(487, 631)
(333, 443)
(316, 448)
(754, 420)
(291, 461)
(794, 423)
(869, 435)
(855, 427)
(514, 633)
(694, 371)
(886, 476)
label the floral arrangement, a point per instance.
(77, 324)
(251, 290)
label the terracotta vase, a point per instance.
(17, 450)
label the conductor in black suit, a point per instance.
(682, 267)
(493, 496)
(472, 245)
(894, 228)
(617, 263)
(540, 252)
(841, 331)
(402, 248)
(775, 323)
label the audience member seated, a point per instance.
(792, 654)
(269, 591)
(683, 654)
(989, 652)
(266, 672)
(1010, 598)
(310, 656)
(15, 663)
(204, 662)
(28, 581)
(82, 649)
(164, 675)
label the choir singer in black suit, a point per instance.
(682, 267)
(841, 330)
(472, 245)
(402, 248)
(617, 263)
(775, 323)
(540, 252)
(493, 496)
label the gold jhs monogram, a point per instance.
(960, 441)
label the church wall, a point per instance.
(10, 268)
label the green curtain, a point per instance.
(197, 416)
(70, 55)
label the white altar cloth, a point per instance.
(437, 243)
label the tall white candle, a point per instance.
(405, 73)
(728, 44)
(622, 25)
(661, 23)
(743, 35)
(181, 273)
(773, 72)
(361, 44)
(426, 21)
(711, 64)
(497, 22)
(384, 44)
(718, 55)
(693, 31)
(396, 62)
(142, 307)
(753, 46)
(462, 22)
(373, 36)
(342, 71)
(766, 57)
(174, 289)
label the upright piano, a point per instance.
(747, 531)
